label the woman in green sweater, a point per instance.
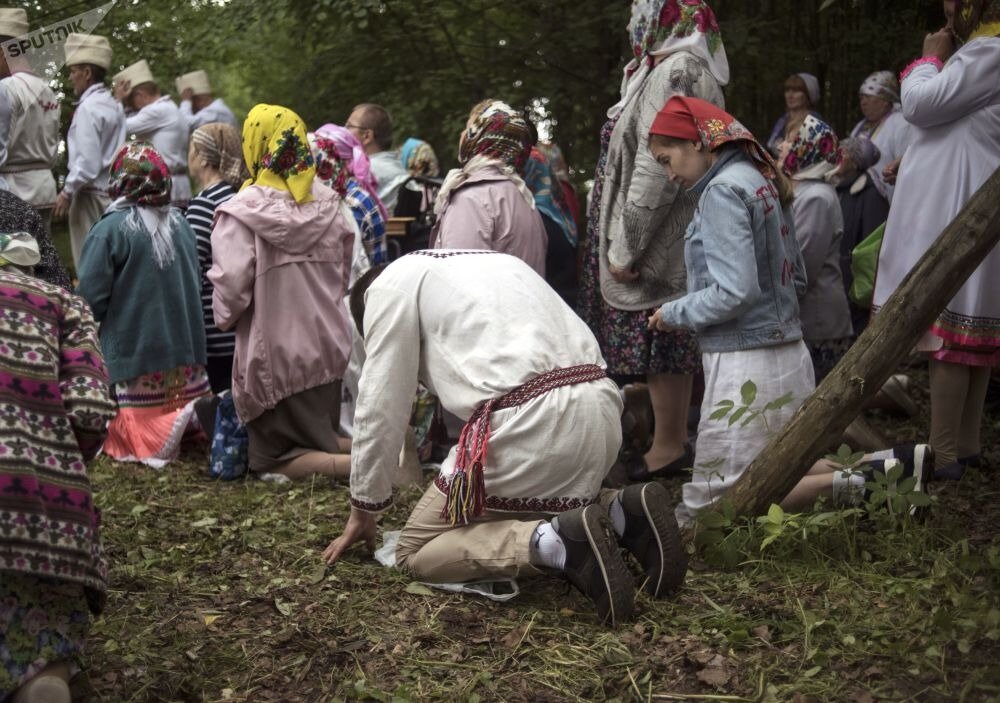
(139, 272)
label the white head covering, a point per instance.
(88, 48)
(136, 74)
(19, 248)
(665, 27)
(812, 87)
(881, 84)
(197, 81)
(13, 21)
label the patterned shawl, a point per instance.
(352, 153)
(697, 119)
(548, 195)
(664, 27)
(881, 84)
(496, 136)
(557, 162)
(813, 153)
(276, 151)
(334, 170)
(218, 143)
(418, 158)
(140, 183)
(498, 132)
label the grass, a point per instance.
(218, 593)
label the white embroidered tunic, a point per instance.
(29, 138)
(471, 326)
(215, 111)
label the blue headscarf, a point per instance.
(418, 157)
(548, 194)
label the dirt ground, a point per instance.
(218, 593)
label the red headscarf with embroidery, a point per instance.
(695, 120)
(140, 174)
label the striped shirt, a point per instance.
(369, 219)
(199, 215)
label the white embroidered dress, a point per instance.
(955, 115)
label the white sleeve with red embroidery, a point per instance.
(385, 396)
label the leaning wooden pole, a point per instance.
(890, 336)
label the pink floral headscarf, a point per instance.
(351, 152)
(664, 27)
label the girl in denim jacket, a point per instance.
(744, 276)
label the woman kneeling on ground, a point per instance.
(139, 272)
(744, 270)
(281, 252)
(54, 390)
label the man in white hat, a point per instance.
(197, 103)
(156, 118)
(95, 135)
(29, 124)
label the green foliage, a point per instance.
(745, 413)
(430, 61)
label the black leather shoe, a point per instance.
(652, 536)
(594, 563)
(638, 472)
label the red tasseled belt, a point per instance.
(467, 488)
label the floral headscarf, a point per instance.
(418, 157)
(881, 84)
(497, 136)
(330, 169)
(498, 132)
(140, 175)
(976, 18)
(697, 119)
(276, 151)
(813, 152)
(655, 22)
(140, 183)
(218, 143)
(664, 27)
(557, 162)
(548, 199)
(352, 154)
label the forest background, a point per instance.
(429, 61)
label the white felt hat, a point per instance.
(197, 81)
(88, 48)
(135, 74)
(13, 21)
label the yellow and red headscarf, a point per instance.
(276, 151)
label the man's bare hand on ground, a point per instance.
(360, 526)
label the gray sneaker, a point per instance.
(652, 536)
(594, 563)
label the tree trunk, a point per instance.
(890, 336)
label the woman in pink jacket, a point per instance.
(281, 254)
(486, 204)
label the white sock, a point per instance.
(617, 514)
(547, 548)
(881, 455)
(848, 487)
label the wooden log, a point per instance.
(890, 336)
